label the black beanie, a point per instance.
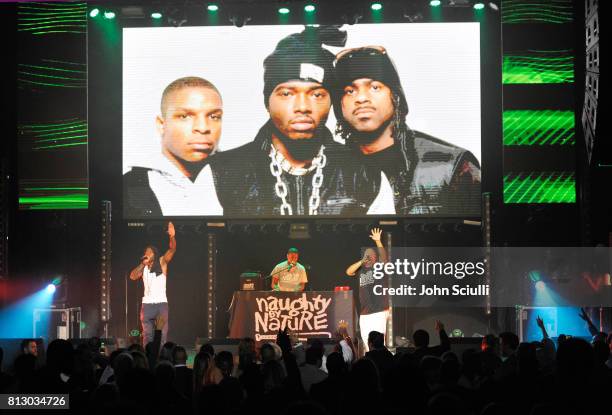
(367, 63)
(300, 56)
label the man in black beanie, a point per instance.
(411, 173)
(293, 167)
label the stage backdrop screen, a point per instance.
(371, 119)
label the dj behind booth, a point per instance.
(308, 314)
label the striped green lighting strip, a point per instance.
(540, 187)
(58, 17)
(67, 133)
(538, 67)
(537, 11)
(66, 201)
(53, 194)
(539, 128)
(53, 73)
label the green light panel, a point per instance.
(69, 133)
(538, 67)
(53, 74)
(539, 128)
(534, 11)
(540, 187)
(53, 195)
(57, 17)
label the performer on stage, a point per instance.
(289, 275)
(374, 309)
(153, 270)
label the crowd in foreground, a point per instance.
(502, 377)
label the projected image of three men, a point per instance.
(266, 121)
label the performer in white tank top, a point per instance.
(153, 270)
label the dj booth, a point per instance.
(309, 314)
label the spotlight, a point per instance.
(51, 288)
(94, 12)
(283, 10)
(479, 5)
(435, 3)
(456, 333)
(156, 15)
(376, 6)
(109, 15)
(534, 276)
(494, 6)
(540, 285)
(309, 8)
(212, 7)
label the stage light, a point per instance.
(478, 6)
(212, 7)
(534, 276)
(376, 6)
(156, 15)
(309, 8)
(94, 12)
(540, 286)
(435, 3)
(51, 288)
(283, 10)
(109, 15)
(456, 333)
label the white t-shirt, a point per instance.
(177, 194)
(289, 280)
(154, 287)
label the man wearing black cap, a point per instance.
(293, 167)
(411, 173)
(289, 275)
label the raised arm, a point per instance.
(592, 328)
(444, 340)
(165, 260)
(542, 327)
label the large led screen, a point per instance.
(286, 120)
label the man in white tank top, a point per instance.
(153, 270)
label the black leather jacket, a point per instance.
(245, 184)
(428, 176)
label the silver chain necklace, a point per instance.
(278, 164)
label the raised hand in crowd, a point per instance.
(592, 328)
(542, 327)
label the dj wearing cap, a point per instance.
(289, 275)
(293, 166)
(411, 173)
